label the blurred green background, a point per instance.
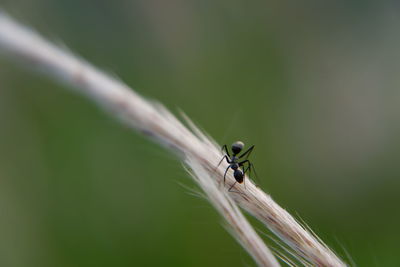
(313, 84)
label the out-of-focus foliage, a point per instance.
(314, 85)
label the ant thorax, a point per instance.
(234, 165)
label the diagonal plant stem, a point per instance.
(198, 151)
(151, 119)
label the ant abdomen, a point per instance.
(238, 174)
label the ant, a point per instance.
(236, 164)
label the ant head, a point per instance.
(237, 147)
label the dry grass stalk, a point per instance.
(199, 152)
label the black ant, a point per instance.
(235, 164)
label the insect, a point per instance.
(235, 162)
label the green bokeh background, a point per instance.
(313, 84)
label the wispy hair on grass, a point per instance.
(195, 149)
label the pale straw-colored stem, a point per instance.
(199, 152)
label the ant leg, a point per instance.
(241, 164)
(244, 172)
(224, 157)
(250, 168)
(225, 174)
(229, 190)
(224, 147)
(255, 173)
(227, 160)
(248, 152)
